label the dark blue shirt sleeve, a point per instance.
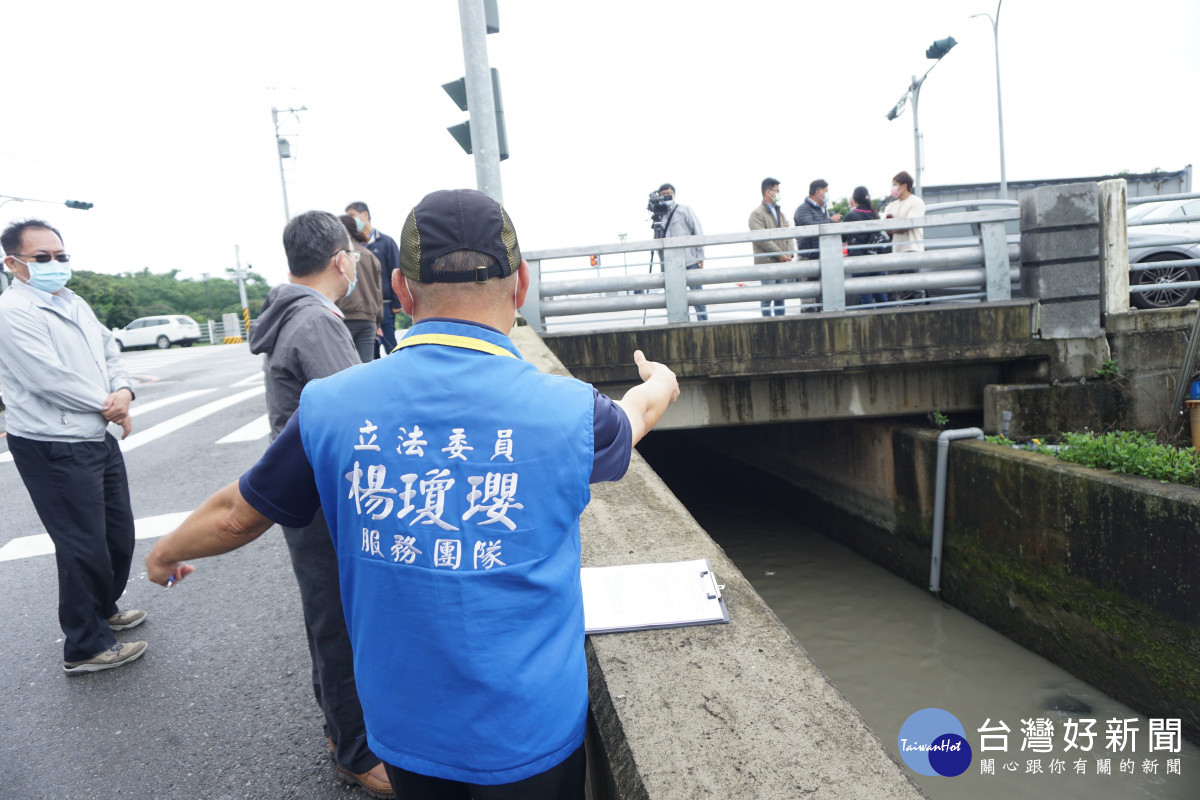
(281, 486)
(613, 440)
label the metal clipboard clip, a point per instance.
(713, 588)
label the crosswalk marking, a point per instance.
(249, 379)
(142, 408)
(40, 544)
(6, 457)
(257, 429)
(187, 418)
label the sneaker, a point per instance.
(118, 655)
(124, 620)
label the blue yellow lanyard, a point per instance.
(453, 340)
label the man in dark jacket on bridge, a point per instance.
(812, 212)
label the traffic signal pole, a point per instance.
(485, 141)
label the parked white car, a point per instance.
(160, 332)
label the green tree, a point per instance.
(119, 299)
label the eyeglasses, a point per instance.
(45, 258)
(354, 254)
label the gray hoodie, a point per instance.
(304, 338)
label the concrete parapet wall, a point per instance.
(1100, 573)
(719, 711)
(1060, 258)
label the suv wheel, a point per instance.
(1166, 297)
(120, 345)
(162, 343)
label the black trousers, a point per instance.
(362, 331)
(315, 564)
(81, 495)
(389, 328)
(561, 782)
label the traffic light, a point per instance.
(82, 206)
(595, 260)
(939, 48)
(462, 132)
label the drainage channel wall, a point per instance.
(719, 711)
(1097, 572)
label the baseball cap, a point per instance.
(458, 219)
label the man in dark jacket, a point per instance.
(812, 212)
(302, 333)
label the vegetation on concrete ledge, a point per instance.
(1128, 452)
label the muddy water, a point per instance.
(893, 649)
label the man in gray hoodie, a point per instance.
(302, 334)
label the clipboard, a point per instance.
(638, 597)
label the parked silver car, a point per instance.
(1161, 243)
(160, 332)
(1147, 244)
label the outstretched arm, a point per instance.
(645, 404)
(223, 522)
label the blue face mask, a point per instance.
(358, 221)
(49, 277)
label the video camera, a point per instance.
(658, 207)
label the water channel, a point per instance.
(893, 649)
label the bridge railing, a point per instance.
(567, 288)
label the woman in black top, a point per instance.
(868, 243)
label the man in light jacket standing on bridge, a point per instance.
(768, 214)
(63, 384)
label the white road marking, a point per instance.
(6, 456)
(187, 418)
(40, 544)
(249, 379)
(250, 432)
(166, 401)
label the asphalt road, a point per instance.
(221, 704)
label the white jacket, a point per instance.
(56, 372)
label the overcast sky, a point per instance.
(160, 113)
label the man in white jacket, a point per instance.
(63, 384)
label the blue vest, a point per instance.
(453, 479)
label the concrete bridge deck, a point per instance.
(825, 366)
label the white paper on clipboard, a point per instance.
(641, 596)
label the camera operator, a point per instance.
(676, 219)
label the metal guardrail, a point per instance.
(826, 275)
(213, 332)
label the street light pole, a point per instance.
(207, 296)
(915, 90)
(999, 107)
(936, 51)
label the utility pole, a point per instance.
(485, 141)
(284, 148)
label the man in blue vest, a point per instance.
(452, 476)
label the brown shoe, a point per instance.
(374, 781)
